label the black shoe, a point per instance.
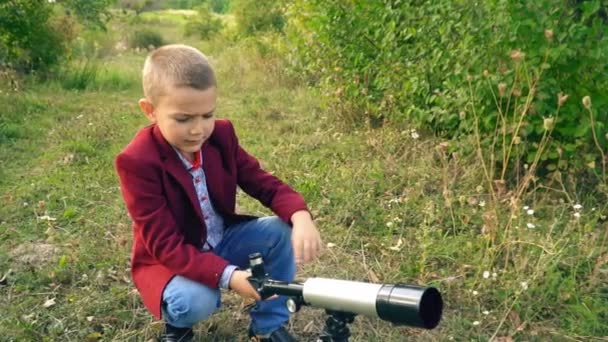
(279, 335)
(175, 334)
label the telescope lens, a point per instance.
(410, 305)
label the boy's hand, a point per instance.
(240, 285)
(305, 237)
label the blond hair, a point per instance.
(177, 66)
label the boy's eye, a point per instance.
(182, 119)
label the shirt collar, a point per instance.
(190, 166)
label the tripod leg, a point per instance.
(336, 327)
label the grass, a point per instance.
(395, 207)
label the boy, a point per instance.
(178, 178)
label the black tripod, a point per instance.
(336, 326)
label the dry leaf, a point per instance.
(49, 303)
(397, 247)
(503, 339)
(371, 275)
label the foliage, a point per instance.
(257, 15)
(412, 62)
(204, 25)
(36, 34)
(219, 6)
(145, 39)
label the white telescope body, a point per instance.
(400, 304)
(397, 303)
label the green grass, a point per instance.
(396, 208)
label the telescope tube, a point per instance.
(400, 304)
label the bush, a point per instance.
(34, 35)
(417, 62)
(257, 15)
(146, 38)
(205, 25)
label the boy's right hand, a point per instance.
(242, 286)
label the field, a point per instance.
(392, 204)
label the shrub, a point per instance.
(257, 15)
(414, 62)
(205, 24)
(146, 38)
(34, 35)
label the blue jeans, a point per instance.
(186, 302)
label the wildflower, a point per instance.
(530, 212)
(476, 323)
(561, 99)
(389, 224)
(25, 204)
(587, 102)
(577, 207)
(475, 293)
(482, 203)
(414, 134)
(486, 73)
(486, 274)
(530, 225)
(502, 87)
(524, 285)
(517, 55)
(548, 123)
(516, 92)
(494, 275)
(516, 140)
(549, 35)
(486, 312)
(462, 115)
(526, 207)
(577, 215)
(331, 245)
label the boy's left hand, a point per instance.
(305, 237)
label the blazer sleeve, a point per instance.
(141, 187)
(266, 188)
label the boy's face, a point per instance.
(185, 117)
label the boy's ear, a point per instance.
(148, 108)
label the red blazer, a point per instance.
(168, 225)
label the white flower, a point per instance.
(494, 275)
(577, 207)
(389, 224)
(530, 212)
(330, 245)
(475, 293)
(486, 274)
(526, 207)
(577, 215)
(414, 134)
(530, 225)
(486, 312)
(482, 203)
(524, 285)
(476, 323)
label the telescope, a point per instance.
(400, 304)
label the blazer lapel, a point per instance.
(175, 167)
